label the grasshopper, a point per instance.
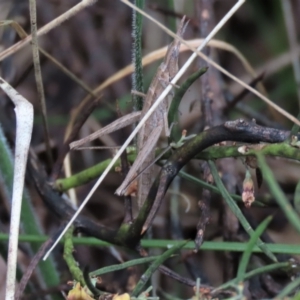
(153, 127)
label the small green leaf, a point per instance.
(278, 194)
(250, 245)
(146, 276)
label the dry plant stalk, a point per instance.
(38, 77)
(152, 128)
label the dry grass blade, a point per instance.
(112, 127)
(24, 114)
(151, 110)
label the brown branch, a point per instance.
(239, 131)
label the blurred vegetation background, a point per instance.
(97, 43)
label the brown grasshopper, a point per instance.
(151, 130)
(153, 127)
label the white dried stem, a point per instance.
(24, 116)
(148, 114)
